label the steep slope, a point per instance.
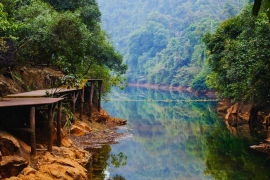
(161, 39)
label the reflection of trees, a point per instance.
(228, 157)
(188, 139)
(101, 159)
(118, 177)
(118, 160)
(163, 130)
(99, 163)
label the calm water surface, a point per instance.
(175, 140)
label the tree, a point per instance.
(239, 58)
(65, 33)
(261, 4)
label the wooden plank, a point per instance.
(42, 93)
(33, 130)
(58, 125)
(15, 102)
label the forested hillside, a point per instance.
(239, 57)
(59, 33)
(162, 39)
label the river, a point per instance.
(172, 136)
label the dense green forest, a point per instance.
(161, 40)
(175, 42)
(64, 34)
(239, 57)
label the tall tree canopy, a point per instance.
(162, 39)
(65, 33)
(239, 57)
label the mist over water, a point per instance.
(175, 140)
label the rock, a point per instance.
(8, 144)
(63, 164)
(79, 155)
(118, 121)
(244, 111)
(234, 108)
(103, 112)
(264, 147)
(222, 108)
(67, 142)
(77, 131)
(12, 166)
(62, 168)
(102, 119)
(80, 129)
(84, 126)
(28, 171)
(239, 113)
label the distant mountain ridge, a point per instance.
(161, 40)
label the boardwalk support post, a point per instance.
(91, 98)
(58, 125)
(50, 127)
(99, 94)
(82, 104)
(33, 130)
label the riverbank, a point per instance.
(66, 162)
(22, 78)
(207, 93)
(244, 119)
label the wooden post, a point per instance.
(91, 98)
(74, 98)
(33, 130)
(99, 94)
(59, 118)
(82, 103)
(50, 127)
(73, 104)
(92, 92)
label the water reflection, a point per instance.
(178, 140)
(103, 158)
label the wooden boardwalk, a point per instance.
(16, 102)
(32, 103)
(52, 99)
(42, 93)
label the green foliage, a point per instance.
(161, 39)
(239, 57)
(7, 28)
(118, 160)
(199, 81)
(70, 5)
(261, 4)
(66, 34)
